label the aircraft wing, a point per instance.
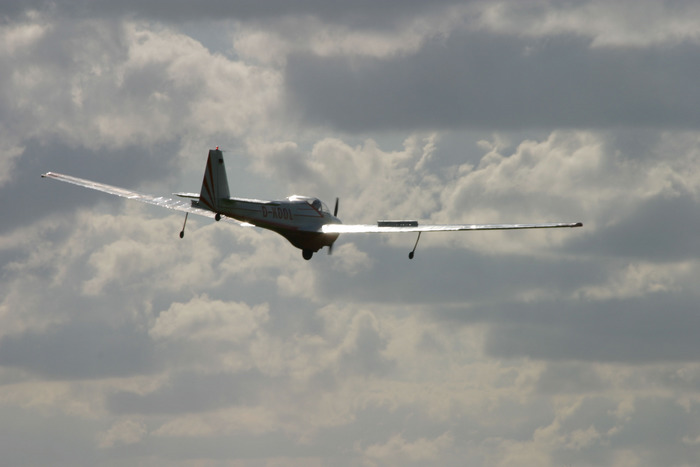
(162, 201)
(413, 226)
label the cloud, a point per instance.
(398, 449)
(123, 432)
(207, 321)
(178, 11)
(622, 24)
(189, 392)
(661, 229)
(121, 343)
(500, 82)
(658, 327)
(79, 350)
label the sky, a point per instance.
(121, 344)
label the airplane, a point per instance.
(306, 222)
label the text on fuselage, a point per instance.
(277, 213)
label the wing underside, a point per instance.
(377, 228)
(162, 201)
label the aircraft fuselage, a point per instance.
(297, 218)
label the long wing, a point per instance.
(412, 226)
(164, 202)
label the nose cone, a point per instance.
(332, 220)
(330, 238)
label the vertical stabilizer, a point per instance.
(215, 183)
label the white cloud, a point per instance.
(272, 42)
(352, 261)
(15, 37)
(123, 84)
(122, 432)
(8, 155)
(619, 24)
(397, 450)
(371, 183)
(255, 420)
(640, 279)
(202, 319)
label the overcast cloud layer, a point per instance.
(121, 344)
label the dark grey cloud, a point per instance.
(658, 327)
(43, 439)
(11, 9)
(33, 197)
(661, 229)
(79, 350)
(570, 378)
(355, 13)
(219, 448)
(493, 81)
(459, 275)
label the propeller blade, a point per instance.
(335, 213)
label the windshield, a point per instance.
(319, 205)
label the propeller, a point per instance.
(335, 213)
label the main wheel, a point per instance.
(307, 254)
(217, 218)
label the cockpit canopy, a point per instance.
(319, 205)
(315, 203)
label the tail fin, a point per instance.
(215, 183)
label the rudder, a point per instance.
(215, 183)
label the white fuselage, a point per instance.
(298, 218)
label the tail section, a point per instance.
(215, 183)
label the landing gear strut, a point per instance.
(182, 232)
(413, 252)
(307, 254)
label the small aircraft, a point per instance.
(306, 222)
